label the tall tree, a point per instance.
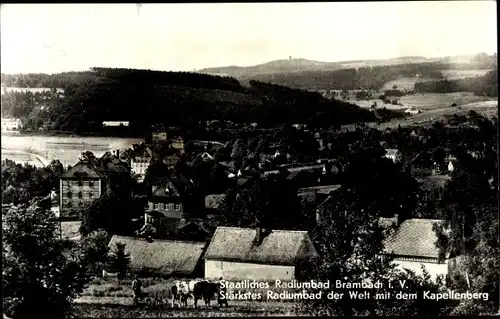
(41, 275)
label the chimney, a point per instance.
(396, 219)
(261, 233)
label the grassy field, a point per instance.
(462, 74)
(427, 101)
(403, 83)
(486, 108)
(110, 298)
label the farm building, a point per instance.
(393, 154)
(115, 123)
(244, 253)
(162, 257)
(413, 245)
(11, 124)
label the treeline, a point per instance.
(484, 85)
(143, 99)
(352, 79)
(41, 80)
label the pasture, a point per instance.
(426, 101)
(21, 157)
(403, 83)
(486, 108)
(69, 229)
(462, 74)
(66, 149)
(110, 298)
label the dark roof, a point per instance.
(83, 169)
(414, 238)
(175, 184)
(283, 247)
(214, 200)
(161, 256)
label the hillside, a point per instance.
(479, 61)
(273, 67)
(145, 98)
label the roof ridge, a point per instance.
(160, 240)
(273, 230)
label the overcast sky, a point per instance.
(72, 37)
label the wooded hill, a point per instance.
(183, 99)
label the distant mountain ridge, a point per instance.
(294, 65)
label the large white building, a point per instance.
(139, 163)
(413, 245)
(11, 124)
(245, 253)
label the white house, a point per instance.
(393, 154)
(139, 163)
(412, 110)
(11, 124)
(115, 123)
(451, 167)
(413, 245)
(245, 253)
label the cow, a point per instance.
(205, 290)
(180, 293)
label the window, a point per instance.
(91, 183)
(157, 206)
(91, 195)
(80, 183)
(80, 204)
(70, 194)
(177, 207)
(80, 195)
(69, 204)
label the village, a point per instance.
(179, 230)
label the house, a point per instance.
(115, 123)
(245, 253)
(162, 257)
(171, 160)
(393, 154)
(140, 162)
(451, 167)
(86, 181)
(167, 195)
(178, 144)
(11, 124)
(212, 203)
(321, 193)
(412, 110)
(413, 245)
(159, 135)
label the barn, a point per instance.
(246, 253)
(162, 257)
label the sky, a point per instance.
(50, 38)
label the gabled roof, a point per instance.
(414, 238)
(166, 188)
(83, 169)
(161, 256)
(281, 247)
(391, 152)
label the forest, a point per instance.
(145, 98)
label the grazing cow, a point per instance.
(204, 290)
(180, 293)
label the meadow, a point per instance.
(462, 74)
(403, 83)
(111, 298)
(485, 108)
(66, 149)
(426, 101)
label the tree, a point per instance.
(42, 274)
(120, 261)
